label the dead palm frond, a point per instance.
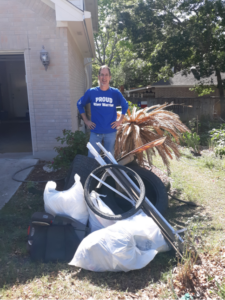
(147, 125)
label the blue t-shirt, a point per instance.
(103, 107)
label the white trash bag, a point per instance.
(70, 202)
(127, 245)
(96, 222)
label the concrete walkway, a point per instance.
(9, 164)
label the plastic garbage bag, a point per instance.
(70, 202)
(127, 245)
(96, 222)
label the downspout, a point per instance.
(89, 44)
(87, 64)
(87, 87)
(86, 73)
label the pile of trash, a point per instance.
(111, 246)
(88, 233)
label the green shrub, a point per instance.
(202, 127)
(191, 140)
(75, 144)
(218, 139)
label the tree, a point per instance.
(106, 39)
(114, 49)
(186, 34)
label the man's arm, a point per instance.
(124, 104)
(80, 105)
(118, 122)
(87, 122)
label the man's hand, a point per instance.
(87, 122)
(116, 124)
(90, 124)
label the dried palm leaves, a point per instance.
(147, 125)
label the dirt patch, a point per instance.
(202, 278)
(38, 174)
(38, 178)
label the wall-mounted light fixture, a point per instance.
(44, 58)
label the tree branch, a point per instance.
(112, 52)
(107, 41)
(103, 46)
(98, 51)
(175, 17)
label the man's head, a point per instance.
(104, 77)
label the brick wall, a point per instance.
(26, 25)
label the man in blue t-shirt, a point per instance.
(104, 100)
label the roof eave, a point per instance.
(79, 23)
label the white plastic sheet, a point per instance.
(96, 222)
(127, 245)
(70, 202)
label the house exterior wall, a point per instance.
(4, 86)
(177, 92)
(77, 79)
(25, 26)
(78, 3)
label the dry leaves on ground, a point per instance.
(202, 281)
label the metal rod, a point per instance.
(111, 188)
(101, 161)
(112, 159)
(104, 177)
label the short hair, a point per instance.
(104, 67)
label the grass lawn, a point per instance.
(201, 180)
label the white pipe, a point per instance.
(110, 156)
(86, 73)
(101, 161)
(111, 188)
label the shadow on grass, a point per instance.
(131, 281)
(17, 268)
(179, 212)
(188, 155)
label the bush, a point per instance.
(218, 139)
(76, 144)
(203, 127)
(191, 140)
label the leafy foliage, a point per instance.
(117, 51)
(75, 144)
(177, 34)
(146, 125)
(191, 140)
(202, 127)
(202, 89)
(218, 138)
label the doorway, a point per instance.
(15, 133)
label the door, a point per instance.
(18, 88)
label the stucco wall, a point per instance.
(177, 92)
(26, 25)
